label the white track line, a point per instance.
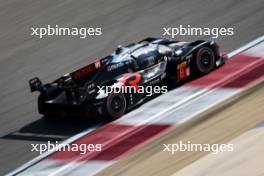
(247, 46)
(79, 135)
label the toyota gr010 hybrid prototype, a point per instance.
(146, 63)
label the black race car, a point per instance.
(149, 62)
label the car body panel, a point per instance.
(147, 63)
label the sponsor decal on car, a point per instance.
(115, 66)
(132, 80)
(155, 81)
(79, 73)
(183, 70)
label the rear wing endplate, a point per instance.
(35, 84)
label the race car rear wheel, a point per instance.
(204, 60)
(116, 105)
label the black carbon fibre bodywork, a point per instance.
(150, 62)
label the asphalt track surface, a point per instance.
(23, 56)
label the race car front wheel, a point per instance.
(116, 105)
(204, 60)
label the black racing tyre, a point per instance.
(116, 105)
(204, 60)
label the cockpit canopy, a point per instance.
(145, 55)
(150, 54)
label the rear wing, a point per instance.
(35, 84)
(80, 76)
